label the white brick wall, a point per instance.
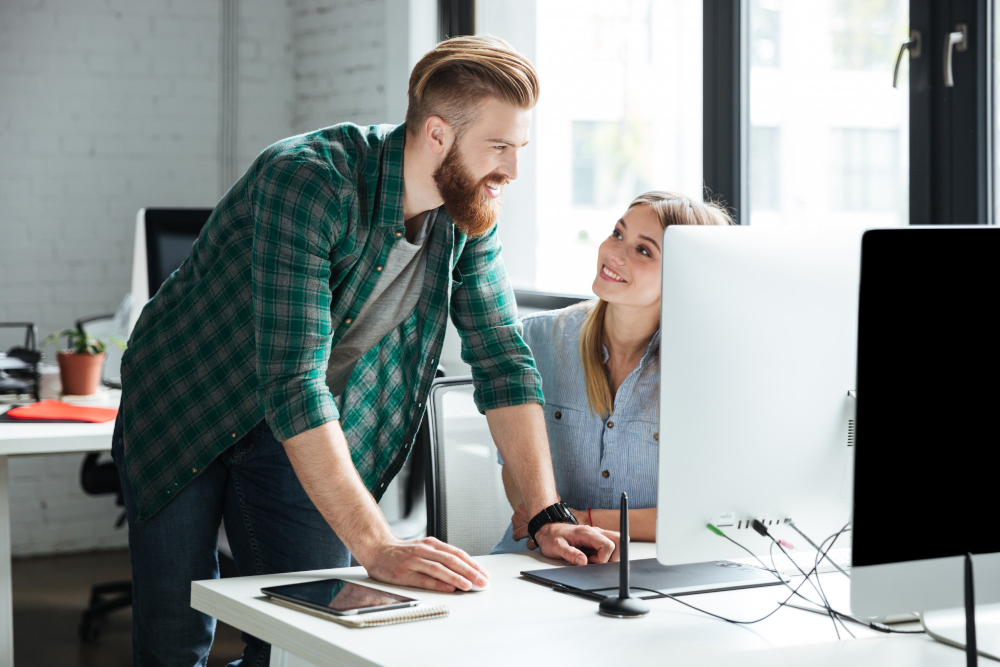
(339, 62)
(107, 106)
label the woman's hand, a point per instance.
(520, 522)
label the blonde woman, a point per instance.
(599, 368)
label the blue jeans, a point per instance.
(272, 527)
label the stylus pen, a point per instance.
(623, 567)
(971, 652)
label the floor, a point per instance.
(51, 592)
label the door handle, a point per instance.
(958, 41)
(914, 46)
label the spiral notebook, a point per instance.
(376, 618)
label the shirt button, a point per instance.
(656, 436)
(558, 415)
(347, 320)
(379, 268)
(233, 434)
(611, 424)
(399, 235)
(605, 474)
(194, 471)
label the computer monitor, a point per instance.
(928, 395)
(163, 240)
(757, 359)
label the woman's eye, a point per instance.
(617, 234)
(645, 252)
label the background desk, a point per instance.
(28, 440)
(515, 621)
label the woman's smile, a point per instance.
(611, 276)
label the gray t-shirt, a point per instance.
(396, 294)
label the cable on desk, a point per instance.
(822, 552)
(762, 530)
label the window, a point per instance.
(764, 177)
(865, 166)
(825, 123)
(611, 162)
(619, 114)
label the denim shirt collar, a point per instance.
(651, 349)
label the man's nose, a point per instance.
(509, 168)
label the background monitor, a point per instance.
(163, 240)
(928, 394)
(757, 356)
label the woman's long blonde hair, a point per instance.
(671, 209)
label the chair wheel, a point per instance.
(89, 631)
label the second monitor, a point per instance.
(757, 361)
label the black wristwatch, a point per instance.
(558, 513)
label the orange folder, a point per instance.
(63, 411)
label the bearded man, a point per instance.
(278, 378)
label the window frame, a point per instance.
(951, 165)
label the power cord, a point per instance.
(822, 552)
(761, 529)
(795, 591)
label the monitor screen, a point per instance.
(928, 394)
(170, 233)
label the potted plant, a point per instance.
(80, 364)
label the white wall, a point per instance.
(105, 107)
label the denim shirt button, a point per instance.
(605, 474)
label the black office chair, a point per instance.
(99, 479)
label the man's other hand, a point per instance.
(578, 545)
(425, 563)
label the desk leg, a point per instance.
(6, 597)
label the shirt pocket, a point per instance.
(644, 449)
(566, 429)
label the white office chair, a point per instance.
(470, 508)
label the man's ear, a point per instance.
(438, 134)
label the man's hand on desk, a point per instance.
(577, 545)
(424, 563)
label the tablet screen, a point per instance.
(337, 595)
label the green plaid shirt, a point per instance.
(242, 331)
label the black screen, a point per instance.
(928, 395)
(170, 233)
(337, 595)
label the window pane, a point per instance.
(620, 114)
(828, 133)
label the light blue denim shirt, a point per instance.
(594, 459)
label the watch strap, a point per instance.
(556, 513)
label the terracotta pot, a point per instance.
(80, 373)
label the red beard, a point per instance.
(471, 209)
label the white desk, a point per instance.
(516, 621)
(18, 439)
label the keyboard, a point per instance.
(804, 559)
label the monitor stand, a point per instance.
(948, 627)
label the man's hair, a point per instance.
(458, 74)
